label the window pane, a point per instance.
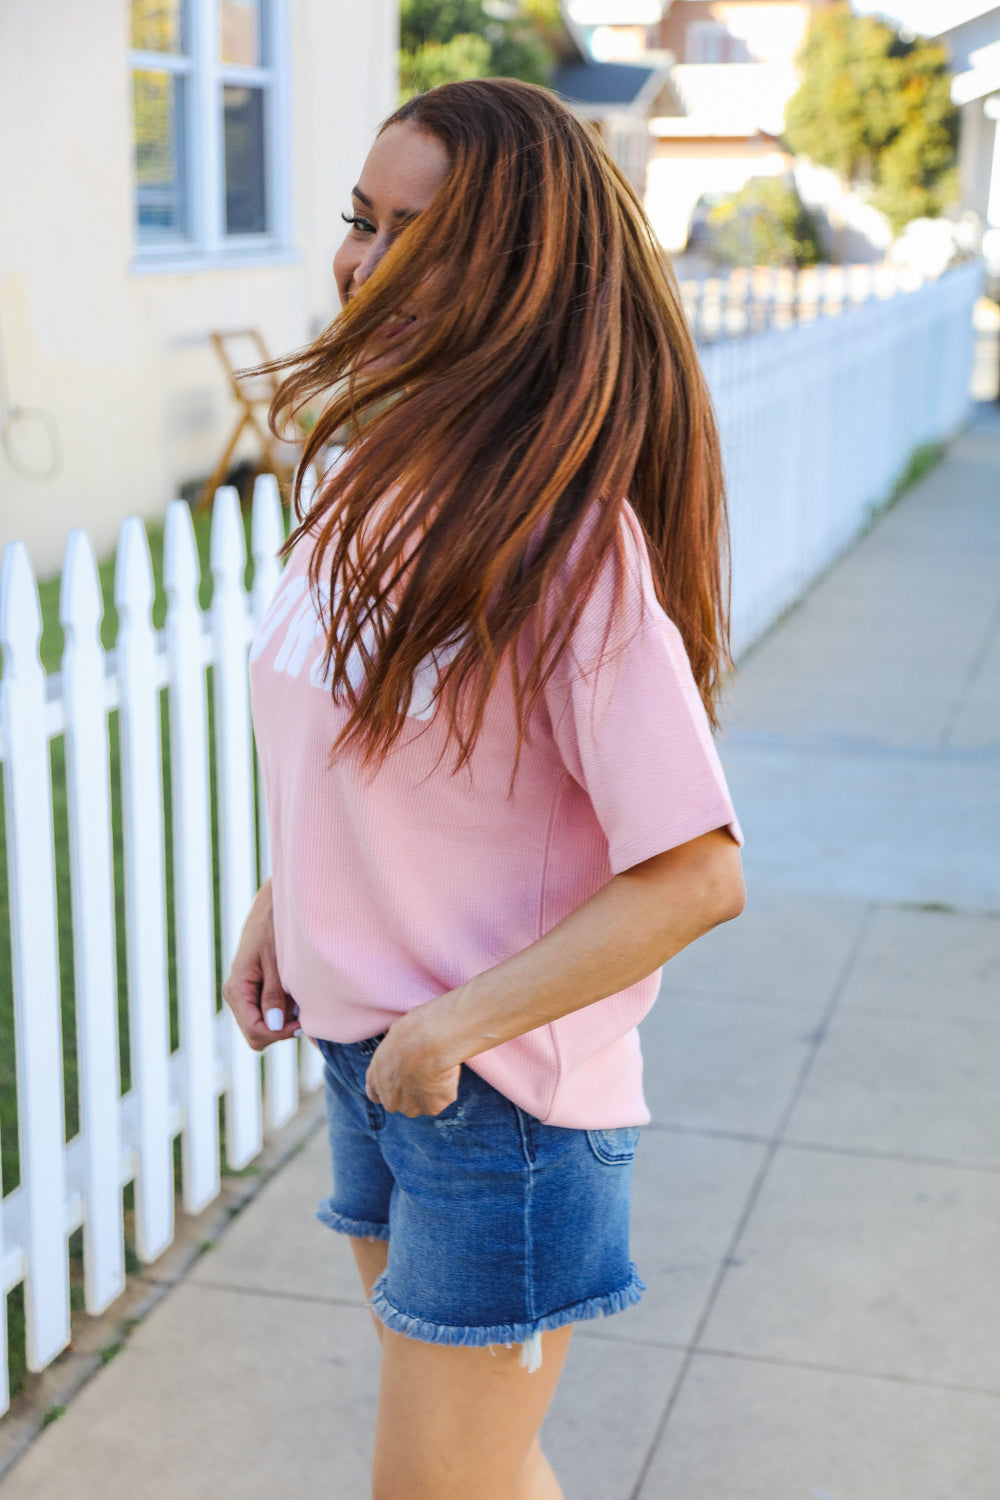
(240, 32)
(243, 128)
(158, 25)
(158, 109)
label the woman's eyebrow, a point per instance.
(398, 214)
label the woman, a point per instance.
(494, 802)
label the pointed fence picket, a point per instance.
(145, 914)
(281, 1060)
(817, 421)
(237, 858)
(266, 536)
(35, 958)
(192, 858)
(88, 790)
(311, 1060)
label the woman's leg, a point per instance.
(537, 1481)
(462, 1424)
(534, 1480)
(371, 1257)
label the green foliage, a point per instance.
(521, 54)
(443, 41)
(764, 224)
(423, 21)
(465, 56)
(877, 110)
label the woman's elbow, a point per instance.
(732, 897)
(699, 884)
(724, 890)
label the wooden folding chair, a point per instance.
(253, 394)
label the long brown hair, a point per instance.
(485, 475)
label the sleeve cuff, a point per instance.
(658, 841)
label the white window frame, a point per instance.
(205, 243)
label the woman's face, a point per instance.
(403, 171)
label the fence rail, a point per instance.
(817, 421)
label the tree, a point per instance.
(764, 224)
(466, 55)
(877, 110)
(446, 40)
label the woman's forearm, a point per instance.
(624, 932)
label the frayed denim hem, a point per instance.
(359, 1229)
(528, 1334)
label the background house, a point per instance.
(734, 75)
(180, 166)
(970, 30)
(610, 73)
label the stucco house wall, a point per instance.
(115, 352)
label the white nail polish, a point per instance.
(275, 1018)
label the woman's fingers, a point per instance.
(263, 1015)
(241, 993)
(406, 1075)
(263, 1009)
(403, 1087)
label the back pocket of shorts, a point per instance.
(614, 1146)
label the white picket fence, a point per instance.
(817, 422)
(129, 1138)
(746, 300)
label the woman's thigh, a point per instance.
(536, 1477)
(458, 1423)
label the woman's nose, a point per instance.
(367, 266)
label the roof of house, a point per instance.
(605, 85)
(602, 82)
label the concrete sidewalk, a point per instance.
(818, 1202)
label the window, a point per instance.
(208, 116)
(710, 42)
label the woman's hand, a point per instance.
(409, 1073)
(264, 1011)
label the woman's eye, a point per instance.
(363, 226)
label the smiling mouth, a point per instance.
(399, 325)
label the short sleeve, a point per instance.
(629, 722)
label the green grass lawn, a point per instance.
(51, 653)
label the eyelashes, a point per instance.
(364, 226)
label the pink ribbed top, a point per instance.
(393, 886)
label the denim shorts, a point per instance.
(499, 1227)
